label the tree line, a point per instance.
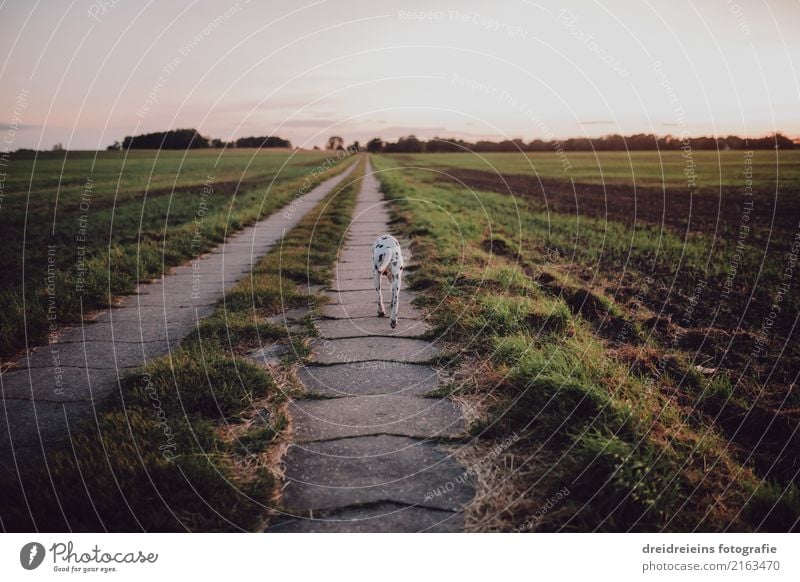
(615, 142)
(181, 139)
(186, 139)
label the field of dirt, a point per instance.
(740, 331)
(676, 209)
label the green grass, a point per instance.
(623, 256)
(602, 401)
(187, 443)
(644, 169)
(774, 506)
(142, 212)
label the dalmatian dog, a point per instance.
(387, 259)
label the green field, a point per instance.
(627, 351)
(82, 227)
(638, 346)
(644, 169)
(224, 414)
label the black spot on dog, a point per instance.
(380, 258)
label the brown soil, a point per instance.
(761, 426)
(677, 209)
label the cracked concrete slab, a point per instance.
(375, 518)
(412, 416)
(154, 314)
(369, 296)
(359, 284)
(327, 475)
(96, 354)
(360, 349)
(370, 309)
(28, 420)
(369, 378)
(59, 384)
(127, 332)
(370, 326)
(363, 239)
(359, 273)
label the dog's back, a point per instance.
(386, 251)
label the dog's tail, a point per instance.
(387, 257)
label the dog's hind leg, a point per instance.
(396, 280)
(376, 277)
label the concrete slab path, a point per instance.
(365, 452)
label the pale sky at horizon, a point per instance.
(76, 73)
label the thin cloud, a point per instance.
(8, 126)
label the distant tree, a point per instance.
(217, 143)
(783, 142)
(277, 142)
(25, 153)
(270, 141)
(58, 147)
(617, 142)
(704, 143)
(335, 143)
(114, 147)
(408, 144)
(438, 144)
(354, 147)
(375, 145)
(178, 139)
(316, 147)
(485, 146)
(669, 142)
(510, 146)
(732, 142)
(537, 145)
(577, 144)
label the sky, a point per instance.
(88, 72)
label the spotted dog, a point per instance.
(387, 259)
